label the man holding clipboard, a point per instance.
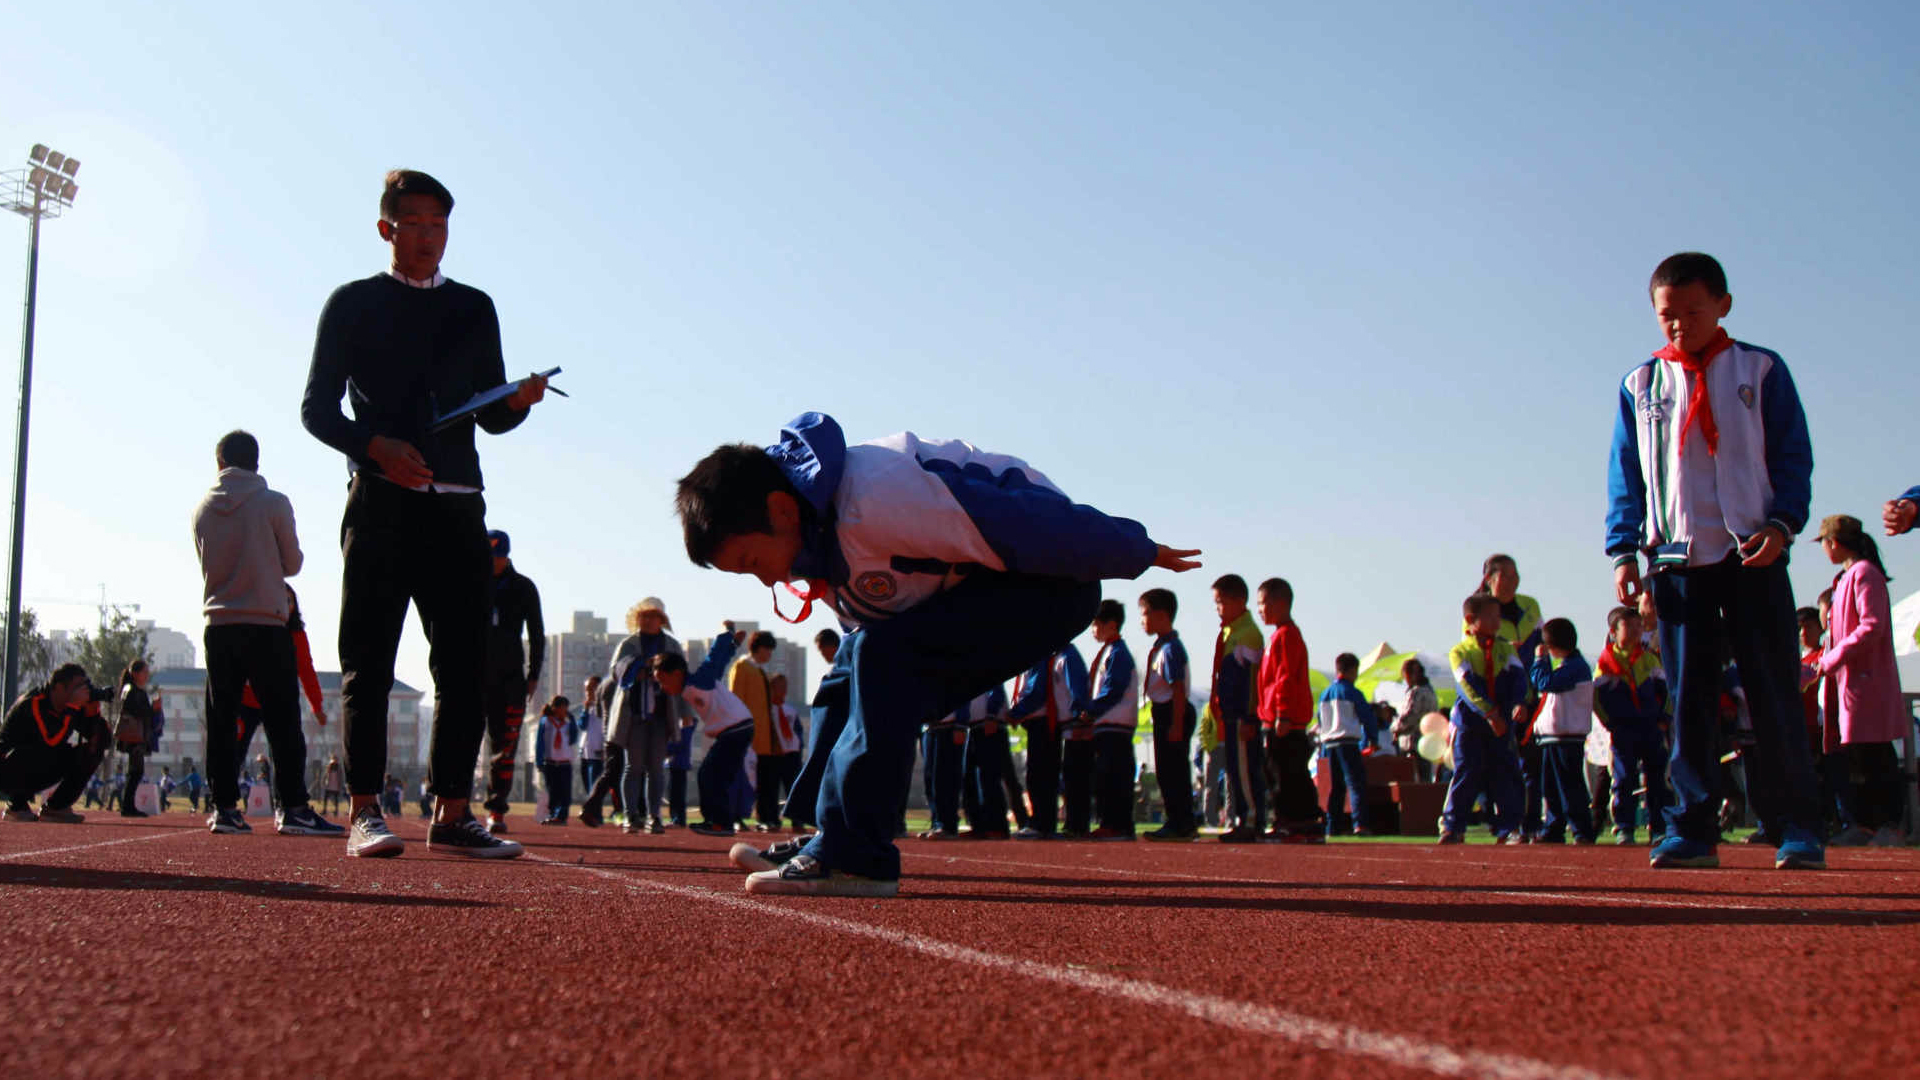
(416, 354)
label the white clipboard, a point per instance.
(483, 399)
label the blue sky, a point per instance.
(1339, 293)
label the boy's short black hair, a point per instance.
(1619, 615)
(1161, 600)
(1231, 585)
(66, 673)
(1473, 605)
(665, 663)
(1560, 634)
(1825, 599)
(726, 495)
(412, 182)
(1110, 611)
(828, 636)
(1346, 662)
(1807, 615)
(761, 639)
(239, 450)
(1686, 268)
(1277, 587)
(560, 701)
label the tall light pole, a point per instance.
(43, 189)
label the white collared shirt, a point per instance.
(438, 279)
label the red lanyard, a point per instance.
(66, 724)
(816, 590)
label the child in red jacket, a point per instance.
(1286, 708)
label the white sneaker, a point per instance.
(803, 875)
(369, 837)
(1888, 836)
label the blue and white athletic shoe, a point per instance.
(1682, 853)
(302, 821)
(1800, 850)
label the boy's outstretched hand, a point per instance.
(1176, 559)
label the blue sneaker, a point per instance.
(1678, 851)
(1800, 850)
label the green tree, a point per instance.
(36, 663)
(107, 651)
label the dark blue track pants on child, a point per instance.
(984, 789)
(1563, 782)
(1246, 772)
(1751, 610)
(1076, 784)
(1171, 767)
(890, 676)
(946, 771)
(1483, 762)
(720, 770)
(1349, 772)
(1113, 771)
(1639, 760)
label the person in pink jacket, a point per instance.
(1864, 713)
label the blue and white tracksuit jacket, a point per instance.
(991, 705)
(1116, 690)
(1684, 507)
(900, 519)
(1346, 716)
(1069, 689)
(1566, 704)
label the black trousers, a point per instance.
(1873, 801)
(27, 769)
(136, 771)
(505, 702)
(1114, 769)
(1295, 801)
(677, 797)
(1043, 776)
(1076, 784)
(1172, 752)
(262, 656)
(1010, 779)
(428, 549)
(773, 781)
(608, 782)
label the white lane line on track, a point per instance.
(101, 844)
(1401, 1050)
(1609, 898)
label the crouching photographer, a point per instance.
(53, 735)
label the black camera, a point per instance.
(99, 693)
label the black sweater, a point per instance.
(516, 603)
(401, 355)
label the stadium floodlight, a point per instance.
(44, 189)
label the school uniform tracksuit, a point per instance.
(1045, 697)
(1491, 683)
(1286, 710)
(1345, 721)
(1115, 712)
(1560, 729)
(1236, 665)
(1172, 729)
(958, 568)
(555, 753)
(1707, 454)
(1630, 698)
(728, 722)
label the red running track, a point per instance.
(154, 947)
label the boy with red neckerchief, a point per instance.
(1710, 477)
(1630, 701)
(1492, 704)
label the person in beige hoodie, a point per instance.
(244, 533)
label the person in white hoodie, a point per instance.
(248, 547)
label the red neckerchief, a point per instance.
(1219, 649)
(1611, 664)
(1699, 402)
(816, 590)
(1486, 650)
(66, 724)
(559, 735)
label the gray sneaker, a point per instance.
(369, 838)
(470, 838)
(226, 822)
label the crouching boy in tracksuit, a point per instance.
(1565, 682)
(1630, 701)
(955, 566)
(1345, 721)
(982, 791)
(1492, 704)
(724, 719)
(1113, 714)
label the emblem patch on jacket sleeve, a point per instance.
(1746, 394)
(876, 586)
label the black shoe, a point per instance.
(1240, 835)
(590, 817)
(228, 821)
(703, 829)
(133, 813)
(470, 838)
(63, 815)
(746, 857)
(1169, 833)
